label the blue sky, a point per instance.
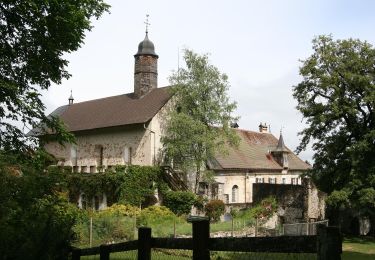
(258, 44)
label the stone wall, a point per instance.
(297, 203)
(113, 141)
(290, 198)
(109, 147)
(145, 74)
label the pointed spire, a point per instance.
(281, 145)
(71, 99)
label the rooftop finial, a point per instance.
(147, 23)
(71, 99)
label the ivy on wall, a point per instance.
(131, 184)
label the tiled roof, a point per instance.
(254, 152)
(113, 111)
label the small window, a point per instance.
(294, 181)
(96, 202)
(127, 155)
(75, 169)
(203, 188)
(84, 201)
(235, 193)
(259, 180)
(90, 202)
(284, 180)
(220, 189)
(99, 155)
(73, 155)
(226, 197)
(92, 169)
(272, 180)
(84, 169)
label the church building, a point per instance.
(117, 130)
(127, 129)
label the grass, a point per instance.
(122, 229)
(358, 248)
(354, 248)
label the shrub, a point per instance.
(36, 219)
(120, 210)
(179, 202)
(214, 209)
(263, 210)
(199, 202)
(154, 214)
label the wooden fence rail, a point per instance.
(327, 244)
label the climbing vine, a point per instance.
(132, 184)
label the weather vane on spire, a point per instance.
(147, 23)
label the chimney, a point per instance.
(263, 128)
(145, 68)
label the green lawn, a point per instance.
(354, 248)
(358, 248)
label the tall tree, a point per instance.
(337, 99)
(198, 125)
(34, 36)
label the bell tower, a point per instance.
(145, 67)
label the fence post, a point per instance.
(307, 228)
(104, 252)
(76, 254)
(144, 243)
(201, 237)
(90, 231)
(329, 243)
(232, 226)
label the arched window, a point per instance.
(96, 202)
(235, 193)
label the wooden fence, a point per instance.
(327, 244)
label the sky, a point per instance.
(258, 44)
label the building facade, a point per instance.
(259, 158)
(127, 129)
(117, 130)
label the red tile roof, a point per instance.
(113, 111)
(253, 153)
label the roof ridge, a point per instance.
(252, 131)
(126, 94)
